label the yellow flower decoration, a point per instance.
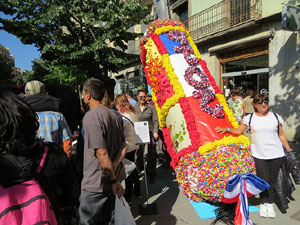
(227, 110)
(241, 139)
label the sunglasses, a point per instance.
(142, 97)
(261, 102)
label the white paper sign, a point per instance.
(142, 135)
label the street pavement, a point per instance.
(175, 209)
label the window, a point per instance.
(239, 11)
(236, 76)
(182, 12)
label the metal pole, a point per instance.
(145, 174)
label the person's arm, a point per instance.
(155, 122)
(283, 139)
(108, 170)
(67, 146)
(66, 136)
(120, 157)
(237, 131)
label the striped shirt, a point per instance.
(53, 127)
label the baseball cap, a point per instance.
(35, 87)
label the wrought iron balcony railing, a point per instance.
(221, 16)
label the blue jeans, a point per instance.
(96, 207)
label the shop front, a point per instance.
(249, 74)
(246, 67)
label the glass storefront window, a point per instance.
(236, 74)
(246, 64)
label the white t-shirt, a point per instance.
(264, 132)
(129, 130)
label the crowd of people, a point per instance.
(33, 124)
(36, 151)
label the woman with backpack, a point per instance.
(129, 116)
(268, 144)
(36, 180)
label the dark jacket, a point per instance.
(56, 177)
(284, 186)
(44, 102)
(149, 114)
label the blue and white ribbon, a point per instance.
(238, 189)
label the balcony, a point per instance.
(222, 16)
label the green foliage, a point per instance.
(27, 76)
(6, 75)
(88, 35)
(45, 71)
(70, 75)
(40, 69)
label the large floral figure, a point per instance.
(209, 166)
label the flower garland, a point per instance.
(157, 24)
(160, 46)
(191, 127)
(166, 29)
(166, 90)
(202, 87)
(210, 77)
(227, 110)
(178, 90)
(209, 146)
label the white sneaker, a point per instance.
(270, 209)
(263, 210)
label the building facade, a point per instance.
(5, 54)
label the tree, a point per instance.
(47, 72)
(40, 69)
(6, 75)
(70, 75)
(27, 76)
(91, 35)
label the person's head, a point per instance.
(261, 103)
(129, 94)
(250, 93)
(18, 125)
(141, 96)
(123, 105)
(235, 92)
(93, 90)
(106, 100)
(34, 87)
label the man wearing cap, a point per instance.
(53, 126)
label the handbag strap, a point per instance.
(128, 119)
(43, 159)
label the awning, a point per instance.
(256, 37)
(246, 72)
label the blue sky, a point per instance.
(24, 54)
